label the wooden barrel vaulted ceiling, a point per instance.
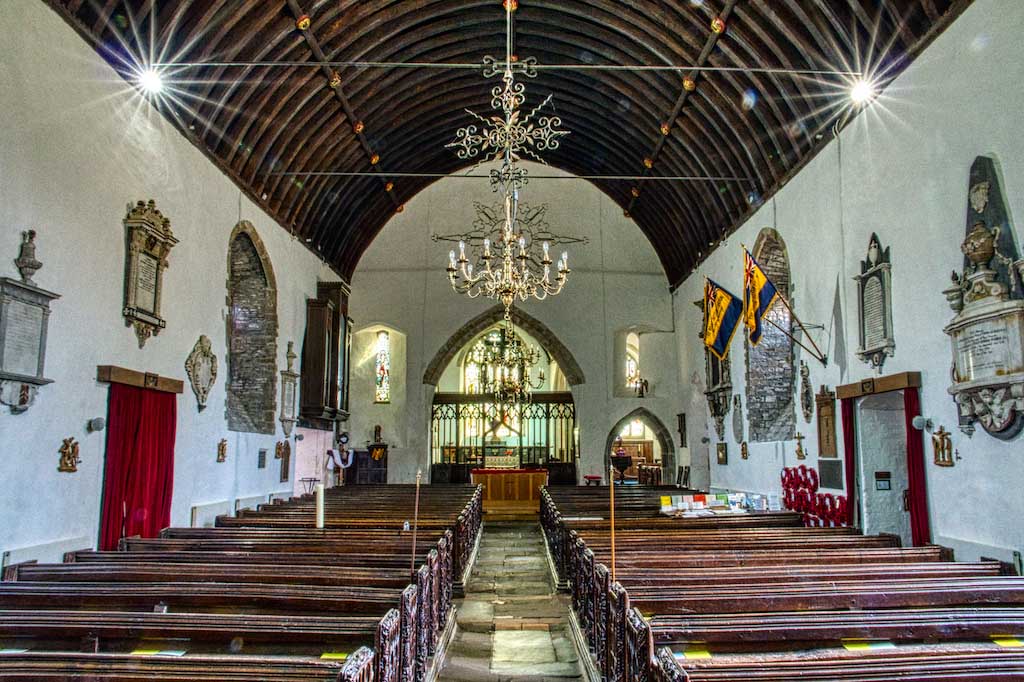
(751, 128)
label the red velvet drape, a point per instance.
(846, 409)
(920, 532)
(139, 472)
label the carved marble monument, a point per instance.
(201, 367)
(24, 320)
(289, 391)
(874, 305)
(987, 332)
(149, 241)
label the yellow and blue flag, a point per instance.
(722, 314)
(758, 295)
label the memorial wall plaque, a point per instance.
(874, 305)
(24, 320)
(149, 240)
(289, 389)
(987, 332)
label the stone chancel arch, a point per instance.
(540, 331)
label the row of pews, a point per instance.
(263, 597)
(760, 597)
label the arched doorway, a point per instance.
(470, 427)
(649, 444)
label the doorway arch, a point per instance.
(661, 432)
(476, 326)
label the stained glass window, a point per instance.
(632, 360)
(382, 391)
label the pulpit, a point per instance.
(511, 490)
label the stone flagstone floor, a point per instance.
(512, 625)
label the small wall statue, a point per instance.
(987, 332)
(201, 368)
(69, 458)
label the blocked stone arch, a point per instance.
(476, 326)
(661, 432)
(251, 334)
(770, 366)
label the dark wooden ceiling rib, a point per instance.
(257, 122)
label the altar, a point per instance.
(511, 490)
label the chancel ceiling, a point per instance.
(331, 149)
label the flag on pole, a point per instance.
(758, 295)
(722, 313)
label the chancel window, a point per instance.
(382, 367)
(632, 360)
(634, 429)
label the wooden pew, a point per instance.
(40, 666)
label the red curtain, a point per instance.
(139, 473)
(917, 493)
(846, 409)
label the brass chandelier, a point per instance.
(504, 364)
(509, 268)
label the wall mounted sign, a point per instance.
(289, 390)
(149, 242)
(874, 305)
(987, 332)
(201, 368)
(826, 403)
(24, 321)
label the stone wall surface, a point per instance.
(252, 341)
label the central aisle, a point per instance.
(512, 625)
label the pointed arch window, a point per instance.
(382, 367)
(632, 360)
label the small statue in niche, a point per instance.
(201, 367)
(69, 458)
(222, 450)
(26, 260)
(744, 450)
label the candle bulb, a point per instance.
(565, 260)
(522, 245)
(462, 250)
(451, 259)
(487, 247)
(546, 246)
(319, 505)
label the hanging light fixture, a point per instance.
(505, 364)
(508, 267)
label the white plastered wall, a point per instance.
(77, 145)
(900, 170)
(617, 282)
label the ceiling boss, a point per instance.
(507, 265)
